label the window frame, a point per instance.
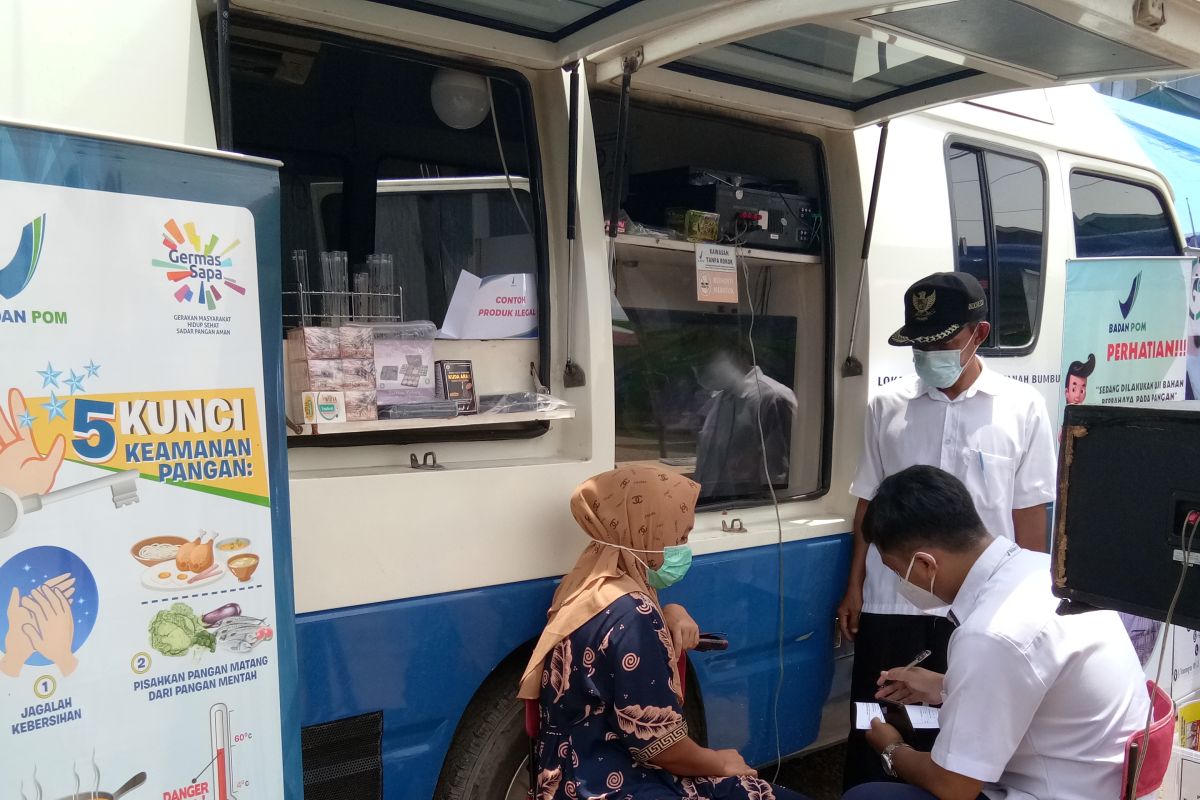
(983, 146)
(1166, 207)
(829, 328)
(435, 434)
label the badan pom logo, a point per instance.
(16, 275)
(198, 266)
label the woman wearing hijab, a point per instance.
(605, 669)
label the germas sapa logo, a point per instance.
(201, 271)
(16, 275)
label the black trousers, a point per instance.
(887, 641)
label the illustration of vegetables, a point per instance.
(177, 630)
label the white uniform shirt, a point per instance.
(995, 437)
(1037, 705)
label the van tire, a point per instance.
(490, 744)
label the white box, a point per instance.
(323, 407)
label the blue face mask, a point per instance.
(940, 368)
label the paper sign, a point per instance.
(495, 307)
(921, 717)
(716, 274)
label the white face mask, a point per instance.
(924, 599)
(941, 368)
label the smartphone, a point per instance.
(896, 715)
(712, 641)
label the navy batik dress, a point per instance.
(609, 704)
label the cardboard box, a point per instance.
(309, 344)
(323, 375)
(358, 374)
(356, 341)
(455, 380)
(323, 407)
(362, 405)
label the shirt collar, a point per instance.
(989, 561)
(989, 382)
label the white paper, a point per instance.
(495, 307)
(921, 717)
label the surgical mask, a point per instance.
(677, 560)
(940, 368)
(924, 599)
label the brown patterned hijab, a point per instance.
(640, 508)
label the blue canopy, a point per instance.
(1172, 142)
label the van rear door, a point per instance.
(845, 63)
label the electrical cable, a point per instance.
(1193, 518)
(504, 162)
(762, 441)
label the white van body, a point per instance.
(418, 592)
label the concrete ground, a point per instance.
(817, 775)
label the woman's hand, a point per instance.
(685, 634)
(733, 765)
(910, 685)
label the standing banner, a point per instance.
(1125, 329)
(146, 620)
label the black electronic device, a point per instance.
(1129, 480)
(753, 210)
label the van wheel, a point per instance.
(488, 756)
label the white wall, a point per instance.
(124, 67)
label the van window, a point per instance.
(419, 174)
(998, 205)
(694, 379)
(1115, 217)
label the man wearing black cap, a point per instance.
(1077, 378)
(989, 431)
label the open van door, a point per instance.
(849, 64)
(845, 63)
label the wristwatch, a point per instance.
(888, 753)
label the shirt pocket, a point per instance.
(994, 484)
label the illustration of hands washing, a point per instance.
(42, 622)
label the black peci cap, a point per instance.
(938, 306)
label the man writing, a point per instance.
(989, 431)
(1034, 706)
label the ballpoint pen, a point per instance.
(921, 656)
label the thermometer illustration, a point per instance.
(222, 757)
(12, 506)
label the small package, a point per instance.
(362, 405)
(695, 226)
(322, 407)
(322, 375)
(358, 373)
(311, 344)
(404, 362)
(356, 341)
(455, 380)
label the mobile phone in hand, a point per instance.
(896, 715)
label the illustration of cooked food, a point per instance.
(243, 566)
(174, 563)
(157, 549)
